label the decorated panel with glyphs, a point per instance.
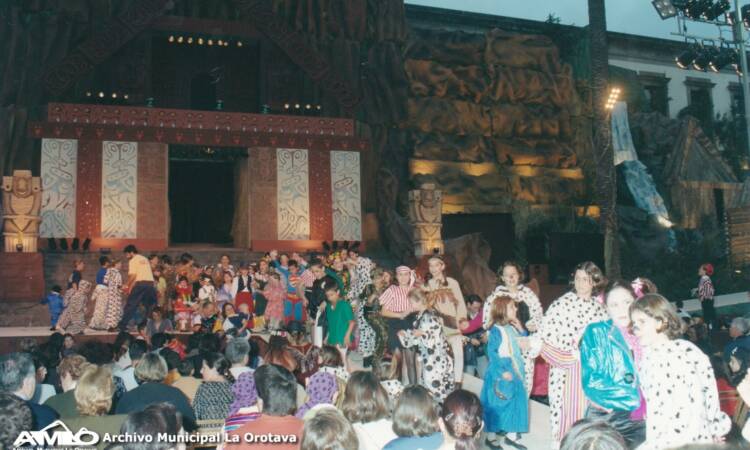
(59, 176)
(119, 189)
(347, 197)
(293, 192)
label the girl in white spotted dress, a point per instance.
(427, 335)
(677, 380)
(511, 275)
(561, 331)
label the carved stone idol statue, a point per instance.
(22, 200)
(426, 217)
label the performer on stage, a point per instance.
(449, 304)
(73, 319)
(562, 328)
(395, 308)
(108, 310)
(140, 287)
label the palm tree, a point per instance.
(606, 177)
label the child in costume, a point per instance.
(183, 305)
(274, 293)
(54, 302)
(504, 398)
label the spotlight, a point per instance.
(210, 42)
(88, 94)
(722, 59)
(614, 96)
(171, 39)
(696, 8)
(318, 107)
(665, 8)
(125, 96)
(190, 40)
(745, 10)
(308, 106)
(200, 41)
(114, 95)
(239, 43)
(221, 42)
(296, 106)
(286, 105)
(702, 60)
(716, 10)
(686, 58)
(101, 94)
(179, 39)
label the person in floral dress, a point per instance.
(114, 295)
(73, 319)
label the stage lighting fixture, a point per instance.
(716, 10)
(63, 244)
(86, 244)
(665, 8)
(171, 39)
(696, 8)
(239, 43)
(101, 94)
(614, 96)
(730, 17)
(210, 42)
(686, 58)
(125, 96)
(746, 15)
(704, 57)
(180, 39)
(51, 244)
(200, 41)
(722, 59)
(75, 245)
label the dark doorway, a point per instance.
(201, 201)
(497, 230)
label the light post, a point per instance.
(744, 75)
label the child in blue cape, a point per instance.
(54, 302)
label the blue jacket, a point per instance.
(55, 303)
(608, 373)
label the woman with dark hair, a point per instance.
(415, 421)
(157, 323)
(279, 353)
(366, 406)
(677, 380)
(155, 419)
(562, 328)
(609, 357)
(215, 393)
(592, 434)
(461, 421)
(395, 307)
(121, 347)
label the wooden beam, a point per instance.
(117, 32)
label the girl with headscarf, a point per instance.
(322, 389)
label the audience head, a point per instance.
(365, 400)
(155, 419)
(238, 352)
(70, 370)
(588, 280)
(209, 343)
(328, 429)
(332, 292)
(216, 368)
(738, 363)
(137, 349)
(17, 374)
(415, 413)
(461, 419)
(159, 340)
(588, 434)
(739, 327)
(96, 352)
(94, 391)
(171, 358)
(277, 389)
(68, 341)
(652, 316)
(619, 297)
(330, 356)
(419, 300)
(186, 368)
(322, 388)
(15, 417)
(151, 368)
(122, 343)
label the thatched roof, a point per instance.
(696, 161)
